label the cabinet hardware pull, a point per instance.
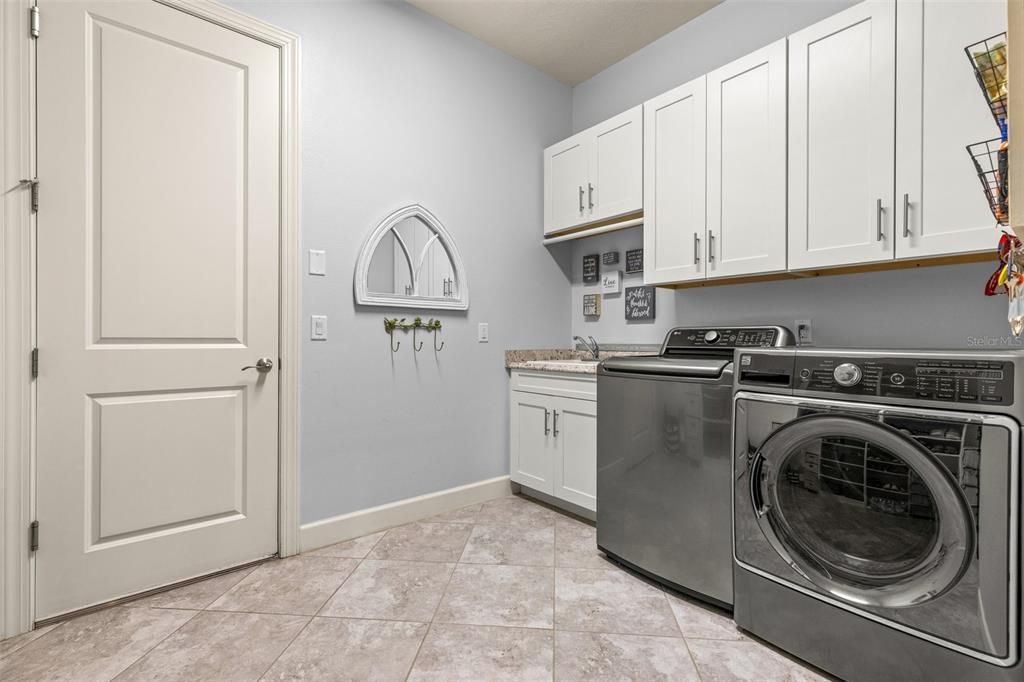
(547, 429)
(906, 216)
(696, 249)
(581, 198)
(590, 196)
(711, 246)
(556, 422)
(878, 219)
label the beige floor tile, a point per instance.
(391, 590)
(423, 542)
(498, 595)
(610, 601)
(93, 647)
(702, 621)
(516, 511)
(594, 657)
(356, 548)
(460, 653)
(576, 545)
(218, 647)
(461, 515)
(297, 586)
(11, 644)
(195, 596)
(510, 545)
(342, 650)
(736, 661)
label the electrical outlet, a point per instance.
(482, 333)
(317, 262)
(318, 327)
(804, 336)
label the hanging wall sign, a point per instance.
(634, 261)
(610, 258)
(611, 281)
(591, 305)
(639, 303)
(590, 268)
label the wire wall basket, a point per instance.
(990, 163)
(988, 57)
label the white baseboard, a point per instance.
(347, 526)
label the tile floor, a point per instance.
(506, 590)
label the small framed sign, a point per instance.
(591, 305)
(610, 258)
(611, 281)
(639, 303)
(590, 268)
(634, 261)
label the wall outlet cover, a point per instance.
(483, 332)
(318, 327)
(317, 262)
(804, 335)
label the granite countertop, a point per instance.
(567, 359)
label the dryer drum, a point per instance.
(860, 549)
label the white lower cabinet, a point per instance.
(554, 443)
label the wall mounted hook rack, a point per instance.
(399, 324)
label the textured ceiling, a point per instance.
(571, 40)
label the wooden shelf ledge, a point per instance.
(620, 223)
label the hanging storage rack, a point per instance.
(431, 325)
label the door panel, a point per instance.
(939, 112)
(533, 445)
(842, 138)
(157, 282)
(616, 166)
(577, 436)
(565, 173)
(747, 164)
(674, 183)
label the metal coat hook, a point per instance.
(394, 346)
(431, 325)
(416, 347)
(436, 347)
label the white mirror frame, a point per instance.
(365, 297)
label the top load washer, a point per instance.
(663, 458)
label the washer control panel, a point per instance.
(689, 338)
(961, 380)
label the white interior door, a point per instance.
(675, 133)
(747, 164)
(157, 282)
(565, 181)
(842, 138)
(939, 111)
(616, 168)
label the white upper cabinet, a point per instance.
(615, 185)
(595, 175)
(675, 134)
(842, 138)
(746, 164)
(940, 110)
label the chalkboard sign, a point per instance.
(639, 303)
(610, 258)
(590, 271)
(591, 305)
(634, 261)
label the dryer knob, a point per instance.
(847, 374)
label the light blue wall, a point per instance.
(397, 108)
(928, 307)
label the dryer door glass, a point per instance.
(863, 509)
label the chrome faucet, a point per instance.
(591, 345)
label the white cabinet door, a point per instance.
(533, 444)
(565, 184)
(674, 174)
(747, 164)
(575, 429)
(615, 182)
(940, 110)
(842, 138)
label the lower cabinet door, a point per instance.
(575, 430)
(533, 443)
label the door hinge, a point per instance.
(33, 21)
(34, 363)
(33, 186)
(33, 536)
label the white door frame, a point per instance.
(18, 303)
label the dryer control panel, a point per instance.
(947, 380)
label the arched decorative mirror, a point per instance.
(410, 261)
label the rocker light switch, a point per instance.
(318, 328)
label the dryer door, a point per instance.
(906, 515)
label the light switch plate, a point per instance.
(804, 335)
(317, 262)
(482, 333)
(318, 327)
